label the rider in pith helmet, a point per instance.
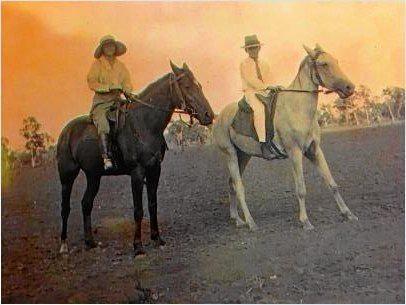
(256, 78)
(108, 78)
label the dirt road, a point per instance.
(207, 259)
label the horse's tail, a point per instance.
(66, 159)
(63, 149)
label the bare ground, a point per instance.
(207, 259)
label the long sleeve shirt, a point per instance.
(249, 77)
(104, 76)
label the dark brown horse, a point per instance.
(140, 149)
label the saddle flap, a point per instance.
(243, 122)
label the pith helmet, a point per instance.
(120, 47)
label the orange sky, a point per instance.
(47, 47)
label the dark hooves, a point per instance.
(90, 244)
(158, 242)
(139, 251)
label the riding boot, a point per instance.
(251, 146)
(104, 147)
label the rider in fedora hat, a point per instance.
(255, 76)
(108, 78)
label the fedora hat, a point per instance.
(251, 41)
(120, 47)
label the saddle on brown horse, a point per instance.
(116, 115)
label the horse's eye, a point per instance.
(322, 63)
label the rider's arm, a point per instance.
(93, 79)
(251, 78)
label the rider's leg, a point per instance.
(270, 106)
(244, 131)
(103, 129)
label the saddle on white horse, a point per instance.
(243, 133)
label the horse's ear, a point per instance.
(185, 67)
(309, 51)
(262, 98)
(318, 48)
(175, 68)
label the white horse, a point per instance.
(296, 128)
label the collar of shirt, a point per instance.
(109, 65)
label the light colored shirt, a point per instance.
(104, 76)
(249, 77)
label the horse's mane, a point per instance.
(301, 66)
(152, 86)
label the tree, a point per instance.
(325, 115)
(182, 133)
(8, 157)
(36, 141)
(357, 105)
(394, 97)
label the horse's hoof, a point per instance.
(90, 244)
(158, 242)
(350, 216)
(253, 226)
(139, 251)
(238, 222)
(307, 226)
(64, 248)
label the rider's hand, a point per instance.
(275, 89)
(130, 95)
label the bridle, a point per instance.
(174, 88)
(313, 72)
(316, 71)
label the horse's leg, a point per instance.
(297, 164)
(93, 184)
(233, 205)
(137, 185)
(67, 180)
(238, 186)
(152, 175)
(318, 159)
(243, 160)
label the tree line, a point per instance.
(364, 108)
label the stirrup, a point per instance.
(280, 153)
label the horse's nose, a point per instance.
(208, 118)
(350, 88)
